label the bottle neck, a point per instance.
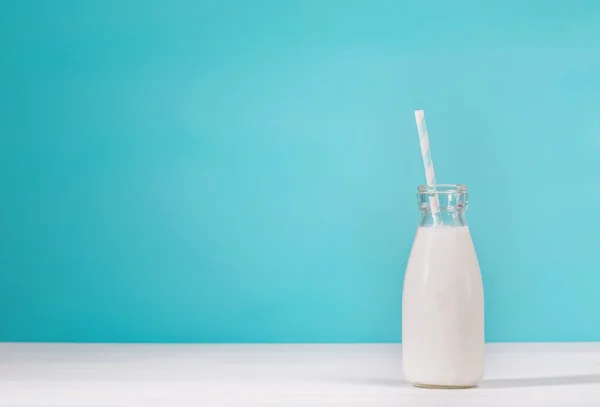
(443, 218)
(443, 205)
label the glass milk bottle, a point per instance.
(442, 300)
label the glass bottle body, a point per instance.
(442, 301)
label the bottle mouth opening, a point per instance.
(442, 189)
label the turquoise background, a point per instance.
(245, 171)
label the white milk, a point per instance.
(442, 310)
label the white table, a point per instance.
(86, 375)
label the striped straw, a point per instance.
(427, 160)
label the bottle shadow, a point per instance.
(540, 381)
(496, 383)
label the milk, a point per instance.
(442, 310)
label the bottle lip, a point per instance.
(442, 189)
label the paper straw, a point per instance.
(427, 160)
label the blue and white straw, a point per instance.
(427, 159)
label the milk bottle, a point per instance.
(442, 301)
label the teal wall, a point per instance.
(245, 171)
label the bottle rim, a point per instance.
(442, 189)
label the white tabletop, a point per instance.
(284, 375)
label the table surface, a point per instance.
(542, 374)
